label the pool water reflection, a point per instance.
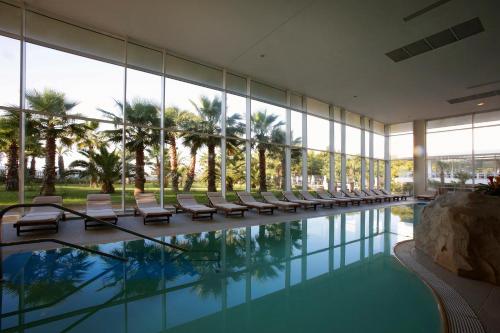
(321, 274)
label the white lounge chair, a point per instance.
(220, 203)
(41, 218)
(306, 204)
(248, 200)
(149, 209)
(284, 205)
(99, 207)
(187, 202)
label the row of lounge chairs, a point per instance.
(99, 206)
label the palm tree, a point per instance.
(174, 118)
(142, 116)
(208, 125)
(90, 141)
(52, 125)
(102, 165)
(61, 151)
(266, 129)
(9, 144)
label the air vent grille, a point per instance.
(474, 97)
(437, 40)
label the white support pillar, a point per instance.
(363, 154)
(419, 157)
(22, 115)
(248, 136)
(343, 157)
(370, 153)
(304, 145)
(387, 158)
(162, 134)
(331, 183)
(124, 124)
(223, 138)
(288, 140)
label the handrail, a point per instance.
(53, 240)
(5, 210)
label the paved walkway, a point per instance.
(73, 230)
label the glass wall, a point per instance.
(102, 115)
(401, 154)
(449, 153)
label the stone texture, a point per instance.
(461, 232)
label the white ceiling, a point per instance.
(329, 49)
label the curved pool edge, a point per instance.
(445, 327)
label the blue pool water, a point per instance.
(322, 274)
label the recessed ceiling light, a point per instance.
(480, 104)
(355, 96)
(262, 55)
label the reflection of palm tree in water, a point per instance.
(48, 275)
(146, 268)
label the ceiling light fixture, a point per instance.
(480, 104)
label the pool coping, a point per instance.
(456, 313)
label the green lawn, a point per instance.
(74, 195)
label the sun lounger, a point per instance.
(382, 196)
(187, 202)
(248, 200)
(306, 204)
(379, 198)
(269, 197)
(391, 196)
(366, 197)
(401, 196)
(41, 218)
(427, 195)
(149, 209)
(325, 202)
(341, 195)
(220, 203)
(99, 206)
(352, 195)
(323, 194)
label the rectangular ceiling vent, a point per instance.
(425, 10)
(437, 40)
(474, 97)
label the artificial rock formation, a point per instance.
(461, 232)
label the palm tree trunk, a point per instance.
(173, 163)
(12, 181)
(191, 171)
(262, 169)
(60, 166)
(49, 181)
(139, 170)
(107, 187)
(32, 170)
(211, 168)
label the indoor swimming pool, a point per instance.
(323, 274)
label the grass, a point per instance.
(74, 195)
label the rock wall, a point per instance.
(461, 232)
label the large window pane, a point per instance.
(401, 146)
(378, 146)
(268, 122)
(353, 140)
(318, 169)
(296, 128)
(9, 157)
(402, 176)
(296, 169)
(318, 133)
(9, 67)
(353, 172)
(449, 171)
(268, 167)
(457, 142)
(93, 85)
(236, 116)
(235, 165)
